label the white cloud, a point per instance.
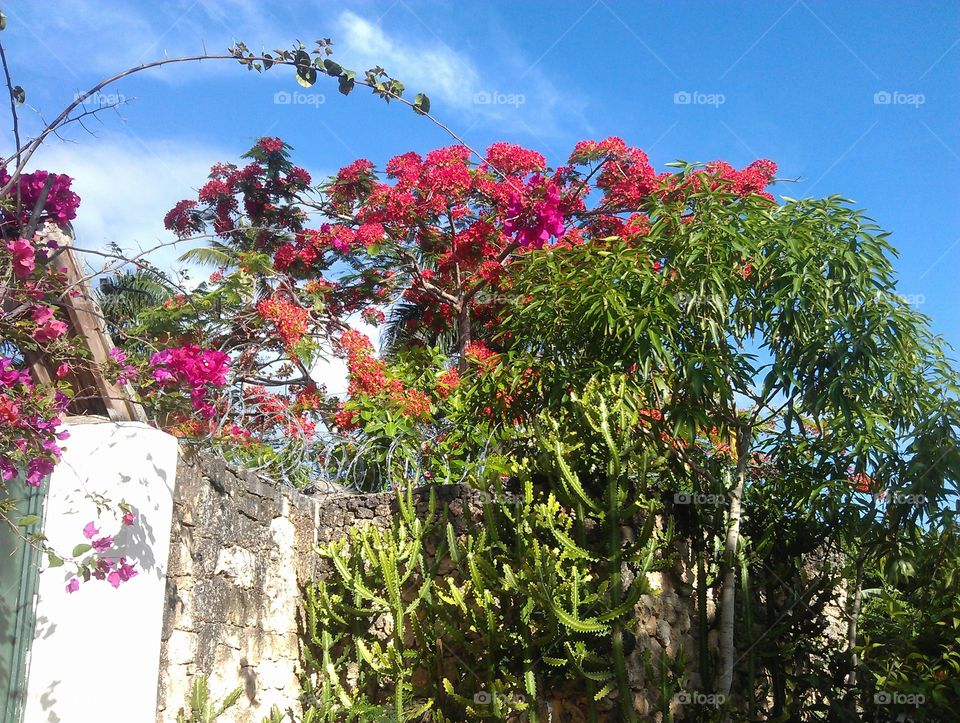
(438, 69)
(529, 103)
(125, 188)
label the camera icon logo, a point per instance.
(482, 697)
(682, 97)
(882, 698)
(683, 698)
(882, 97)
(482, 98)
(282, 97)
(682, 498)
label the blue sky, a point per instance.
(854, 98)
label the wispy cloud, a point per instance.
(450, 77)
(454, 81)
(126, 188)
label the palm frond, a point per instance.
(213, 254)
(395, 333)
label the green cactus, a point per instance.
(533, 593)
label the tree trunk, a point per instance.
(852, 624)
(463, 324)
(728, 593)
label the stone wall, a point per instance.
(241, 550)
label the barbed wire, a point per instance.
(318, 460)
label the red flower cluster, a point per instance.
(751, 180)
(290, 319)
(370, 378)
(447, 382)
(269, 187)
(483, 355)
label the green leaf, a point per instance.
(332, 68)
(3, 21)
(53, 560)
(421, 104)
(306, 76)
(28, 520)
(80, 549)
(588, 625)
(346, 84)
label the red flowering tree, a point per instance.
(430, 242)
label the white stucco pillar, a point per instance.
(96, 651)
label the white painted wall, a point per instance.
(96, 653)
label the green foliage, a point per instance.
(204, 710)
(123, 297)
(453, 617)
(911, 625)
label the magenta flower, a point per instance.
(129, 519)
(89, 530)
(38, 468)
(48, 327)
(24, 259)
(126, 570)
(7, 470)
(162, 375)
(533, 222)
(73, 585)
(102, 544)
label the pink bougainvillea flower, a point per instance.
(38, 468)
(24, 259)
(114, 578)
(48, 327)
(73, 585)
(161, 375)
(126, 570)
(7, 470)
(102, 544)
(129, 519)
(63, 370)
(89, 530)
(533, 222)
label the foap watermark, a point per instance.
(898, 498)
(101, 100)
(498, 498)
(483, 697)
(896, 97)
(496, 97)
(908, 299)
(713, 700)
(285, 97)
(693, 303)
(697, 498)
(490, 297)
(696, 97)
(892, 697)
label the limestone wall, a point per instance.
(240, 551)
